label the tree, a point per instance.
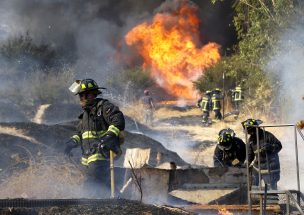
(258, 24)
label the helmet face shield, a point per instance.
(75, 87)
(85, 85)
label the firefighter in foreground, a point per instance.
(148, 107)
(270, 146)
(216, 103)
(230, 150)
(98, 132)
(205, 104)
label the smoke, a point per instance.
(82, 36)
(288, 65)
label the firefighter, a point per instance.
(149, 107)
(270, 146)
(98, 132)
(216, 103)
(237, 97)
(205, 104)
(230, 150)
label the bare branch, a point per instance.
(137, 181)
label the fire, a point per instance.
(224, 211)
(169, 45)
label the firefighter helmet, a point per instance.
(225, 138)
(208, 92)
(250, 124)
(86, 85)
(217, 90)
(146, 92)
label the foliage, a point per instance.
(139, 77)
(132, 82)
(52, 86)
(258, 24)
(32, 73)
(28, 56)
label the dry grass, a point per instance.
(164, 113)
(201, 155)
(52, 177)
(40, 113)
(18, 133)
(135, 111)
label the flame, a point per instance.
(224, 211)
(169, 47)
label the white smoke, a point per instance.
(288, 64)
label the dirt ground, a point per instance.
(32, 164)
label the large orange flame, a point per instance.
(169, 46)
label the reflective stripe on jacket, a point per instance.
(94, 123)
(216, 102)
(238, 94)
(92, 158)
(205, 104)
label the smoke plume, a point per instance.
(288, 65)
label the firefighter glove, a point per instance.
(110, 142)
(69, 146)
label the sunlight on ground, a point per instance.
(18, 133)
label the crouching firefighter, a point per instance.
(269, 147)
(230, 150)
(98, 133)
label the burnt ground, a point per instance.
(114, 207)
(27, 144)
(23, 142)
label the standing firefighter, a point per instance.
(270, 146)
(216, 103)
(237, 98)
(98, 132)
(205, 104)
(148, 107)
(230, 150)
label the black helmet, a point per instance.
(88, 85)
(248, 123)
(208, 92)
(217, 90)
(225, 138)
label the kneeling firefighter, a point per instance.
(230, 150)
(98, 133)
